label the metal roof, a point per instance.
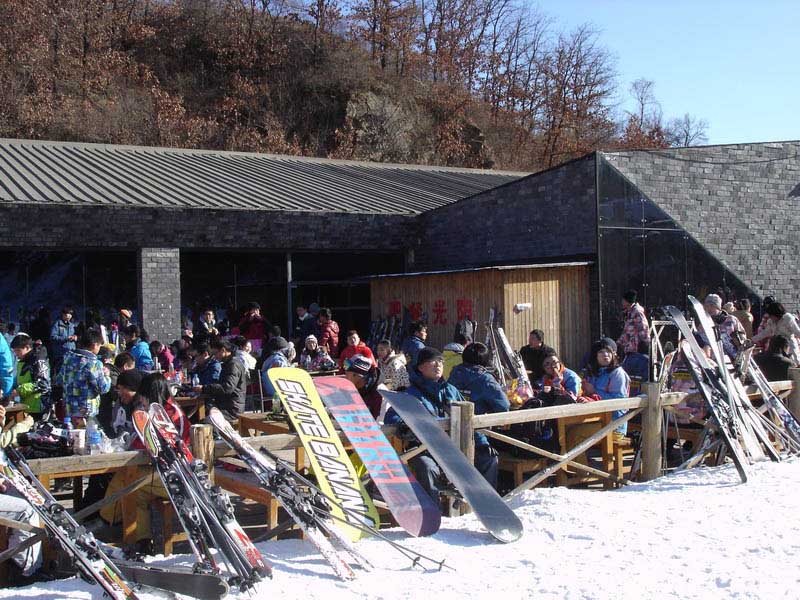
(74, 174)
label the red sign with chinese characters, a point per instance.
(415, 310)
(439, 312)
(395, 308)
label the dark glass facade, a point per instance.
(641, 248)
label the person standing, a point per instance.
(6, 368)
(206, 325)
(745, 316)
(415, 342)
(33, 375)
(84, 378)
(534, 353)
(63, 336)
(636, 328)
(731, 332)
(328, 332)
(138, 348)
(252, 325)
(781, 322)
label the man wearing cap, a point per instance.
(731, 331)
(435, 394)
(636, 328)
(63, 337)
(364, 375)
(229, 394)
(277, 349)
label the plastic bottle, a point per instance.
(94, 437)
(195, 380)
(66, 431)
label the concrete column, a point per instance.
(159, 287)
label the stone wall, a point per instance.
(159, 281)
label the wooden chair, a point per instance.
(567, 478)
(168, 532)
(518, 465)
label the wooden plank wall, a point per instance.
(560, 299)
(481, 289)
(559, 295)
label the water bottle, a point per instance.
(195, 380)
(94, 437)
(66, 431)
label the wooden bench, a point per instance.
(169, 534)
(518, 466)
(246, 485)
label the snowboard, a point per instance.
(336, 475)
(712, 390)
(301, 506)
(179, 580)
(76, 541)
(488, 506)
(408, 502)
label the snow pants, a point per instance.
(17, 509)
(430, 474)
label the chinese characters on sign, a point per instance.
(415, 310)
(395, 308)
(439, 313)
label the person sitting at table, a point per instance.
(153, 387)
(392, 367)
(605, 380)
(477, 385)
(364, 375)
(355, 346)
(277, 350)
(313, 358)
(138, 347)
(435, 395)
(162, 356)
(206, 367)
(244, 351)
(229, 394)
(775, 362)
(558, 385)
(32, 385)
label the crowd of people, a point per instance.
(94, 372)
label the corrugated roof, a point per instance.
(64, 173)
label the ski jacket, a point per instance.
(786, 326)
(84, 379)
(610, 384)
(33, 380)
(637, 366)
(411, 347)
(568, 381)
(6, 367)
(435, 396)
(350, 351)
(209, 372)
(124, 414)
(58, 336)
(253, 327)
(229, 394)
(276, 359)
(635, 330)
(165, 359)
(479, 387)
(393, 373)
(533, 358)
(452, 357)
(319, 360)
(746, 319)
(329, 338)
(141, 353)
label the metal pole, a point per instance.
(289, 312)
(235, 288)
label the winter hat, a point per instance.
(428, 354)
(713, 300)
(630, 296)
(359, 364)
(604, 342)
(125, 313)
(277, 343)
(314, 308)
(454, 347)
(311, 338)
(130, 379)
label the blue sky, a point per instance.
(735, 63)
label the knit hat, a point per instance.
(130, 379)
(277, 343)
(311, 338)
(604, 342)
(428, 354)
(713, 300)
(359, 364)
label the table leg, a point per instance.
(128, 502)
(201, 411)
(299, 459)
(607, 451)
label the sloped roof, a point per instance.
(63, 173)
(740, 201)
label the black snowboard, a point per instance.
(180, 580)
(488, 506)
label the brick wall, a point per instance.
(159, 282)
(549, 215)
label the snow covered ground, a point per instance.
(700, 534)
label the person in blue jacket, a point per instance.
(6, 368)
(63, 337)
(606, 379)
(435, 394)
(138, 348)
(478, 386)
(418, 333)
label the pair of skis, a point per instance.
(204, 510)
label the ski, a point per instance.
(775, 404)
(710, 387)
(297, 503)
(488, 506)
(408, 502)
(186, 581)
(232, 540)
(332, 467)
(76, 541)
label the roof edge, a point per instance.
(585, 263)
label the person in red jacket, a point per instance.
(355, 346)
(328, 332)
(252, 325)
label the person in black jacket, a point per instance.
(534, 353)
(775, 362)
(229, 394)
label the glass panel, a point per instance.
(706, 275)
(623, 205)
(622, 267)
(665, 269)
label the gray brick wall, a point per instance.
(159, 282)
(739, 201)
(548, 215)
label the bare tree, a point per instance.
(687, 130)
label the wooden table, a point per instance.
(192, 405)
(261, 421)
(131, 463)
